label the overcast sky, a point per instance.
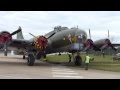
(41, 22)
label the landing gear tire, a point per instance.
(30, 60)
(23, 56)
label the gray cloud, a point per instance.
(41, 22)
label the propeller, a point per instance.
(108, 34)
(40, 42)
(89, 44)
(107, 43)
(111, 44)
(6, 38)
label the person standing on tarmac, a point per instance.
(103, 54)
(69, 58)
(78, 59)
(87, 61)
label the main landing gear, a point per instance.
(30, 60)
(32, 56)
(77, 60)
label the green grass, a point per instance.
(98, 63)
(57, 59)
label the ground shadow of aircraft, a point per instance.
(61, 39)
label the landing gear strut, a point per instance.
(30, 60)
(23, 56)
(5, 52)
(38, 55)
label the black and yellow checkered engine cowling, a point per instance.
(40, 42)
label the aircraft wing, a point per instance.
(7, 42)
(116, 45)
(16, 43)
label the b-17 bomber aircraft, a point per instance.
(61, 39)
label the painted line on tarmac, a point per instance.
(65, 72)
(13, 77)
(63, 76)
(62, 71)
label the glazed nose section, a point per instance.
(77, 46)
(80, 36)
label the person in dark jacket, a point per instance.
(78, 59)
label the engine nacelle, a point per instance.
(107, 44)
(90, 45)
(41, 42)
(104, 44)
(5, 37)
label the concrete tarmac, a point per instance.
(14, 67)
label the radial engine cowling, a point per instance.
(107, 44)
(90, 45)
(40, 42)
(5, 37)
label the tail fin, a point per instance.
(20, 34)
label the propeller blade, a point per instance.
(32, 35)
(111, 44)
(89, 34)
(51, 35)
(108, 34)
(17, 31)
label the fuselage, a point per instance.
(66, 39)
